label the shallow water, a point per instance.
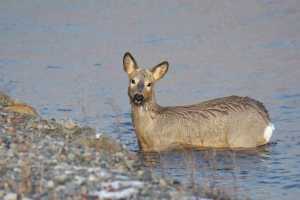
(65, 59)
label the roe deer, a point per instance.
(228, 122)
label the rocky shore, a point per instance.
(49, 159)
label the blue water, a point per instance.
(66, 60)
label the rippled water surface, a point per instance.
(64, 58)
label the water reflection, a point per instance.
(227, 170)
(215, 159)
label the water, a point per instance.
(65, 59)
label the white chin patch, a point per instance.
(268, 132)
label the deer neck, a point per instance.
(145, 113)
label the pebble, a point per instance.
(140, 173)
(50, 184)
(41, 126)
(92, 178)
(163, 183)
(79, 180)
(71, 156)
(11, 129)
(176, 182)
(69, 124)
(61, 179)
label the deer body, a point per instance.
(228, 122)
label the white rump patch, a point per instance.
(268, 132)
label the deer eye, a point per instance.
(149, 84)
(132, 81)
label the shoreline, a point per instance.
(47, 159)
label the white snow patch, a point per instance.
(118, 189)
(126, 193)
(268, 132)
(120, 184)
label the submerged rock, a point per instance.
(5, 100)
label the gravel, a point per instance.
(50, 159)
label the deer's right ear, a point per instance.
(129, 63)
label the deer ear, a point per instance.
(160, 70)
(129, 63)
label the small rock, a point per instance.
(11, 129)
(41, 126)
(5, 100)
(83, 190)
(140, 173)
(71, 156)
(176, 182)
(50, 184)
(60, 188)
(92, 178)
(23, 147)
(69, 124)
(163, 183)
(79, 180)
(61, 179)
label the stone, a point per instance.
(50, 184)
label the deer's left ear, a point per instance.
(129, 63)
(160, 70)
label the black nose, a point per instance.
(138, 98)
